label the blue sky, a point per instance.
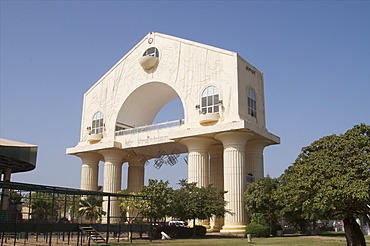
(315, 56)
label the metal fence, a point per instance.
(50, 213)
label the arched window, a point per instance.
(97, 123)
(252, 104)
(210, 100)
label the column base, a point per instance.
(216, 224)
(233, 229)
(215, 229)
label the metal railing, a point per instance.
(148, 128)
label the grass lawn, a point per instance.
(330, 240)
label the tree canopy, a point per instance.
(191, 202)
(161, 195)
(91, 208)
(260, 198)
(331, 179)
(187, 202)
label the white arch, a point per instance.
(143, 104)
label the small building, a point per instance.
(14, 157)
(223, 130)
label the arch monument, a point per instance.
(223, 130)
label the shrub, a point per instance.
(178, 232)
(257, 230)
(258, 218)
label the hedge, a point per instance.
(257, 230)
(178, 232)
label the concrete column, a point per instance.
(198, 159)
(216, 178)
(135, 177)
(5, 194)
(254, 156)
(90, 171)
(198, 164)
(113, 160)
(234, 179)
(7, 174)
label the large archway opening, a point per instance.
(151, 104)
(143, 105)
(171, 111)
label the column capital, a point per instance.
(112, 155)
(256, 145)
(135, 161)
(197, 143)
(90, 156)
(233, 138)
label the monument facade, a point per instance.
(223, 131)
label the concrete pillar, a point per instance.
(7, 174)
(234, 179)
(135, 180)
(254, 156)
(135, 177)
(90, 171)
(198, 159)
(5, 194)
(216, 179)
(113, 160)
(198, 163)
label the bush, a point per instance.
(258, 218)
(257, 230)
(178, 232)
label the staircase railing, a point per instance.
(93, 235)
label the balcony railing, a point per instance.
(148, 128)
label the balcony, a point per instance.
(148, 128)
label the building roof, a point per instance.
(18, 156)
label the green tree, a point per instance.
(41, 209)
(191, 202)
(15, 197)
(260, 198)
(331, 179)
(59, 203)
(132, 207)
(91, 208)
(161, 197)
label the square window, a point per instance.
(204, 101)
(216, 98)
(210, 100)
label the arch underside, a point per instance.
(144, 103)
